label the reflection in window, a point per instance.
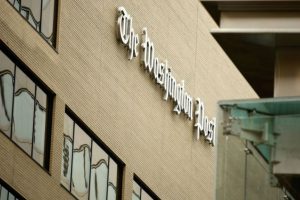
(24, 109)
(136, 193)
(139, 192)
(88, 171)
(7, 71)
(81, 163)
(40, 14)
(39, 125)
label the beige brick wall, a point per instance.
(118, 100)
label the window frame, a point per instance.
(104, 147)
(144, 187)
(50, 100)
(54, 25)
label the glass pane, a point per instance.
(68, 127)
(41, 97)
(111, 193)
(11, 1)
(6, 93)
(258, 180)
(47, 17)
(113, 171)
(81, 164)
(99, 173)
(4, 194)
(136, 189)
(35, 9)
(17, 4)
(11, 196)
(32, 21)
(134, 197)
(67, 152)
(24, 13)
(145, 196)
(40, 126)
(230, 181)
(23, 111)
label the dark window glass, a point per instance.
(41, 15)
(25, 114)
(88, 170)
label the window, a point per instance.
(141, 191)
(25, 108)
(7, 193)
(89, 169)
(41, 15)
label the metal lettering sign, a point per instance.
(162, 75)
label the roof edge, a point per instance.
(215, 7)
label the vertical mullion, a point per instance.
(46, 138)
(41, 16)
(48, 124)
(54, 23)
(72, 157)
(107, 178)
(33, 121)
(140, 192)
(119, 182)
(90, 169)
(245, 172)
(20, 5)
(13, 102)
(7, 194)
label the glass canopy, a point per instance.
(265, 121)
(267, 131)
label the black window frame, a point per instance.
(55, 24)
(50, 100)
(94, 138)
(144, 187)
(11, 190)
